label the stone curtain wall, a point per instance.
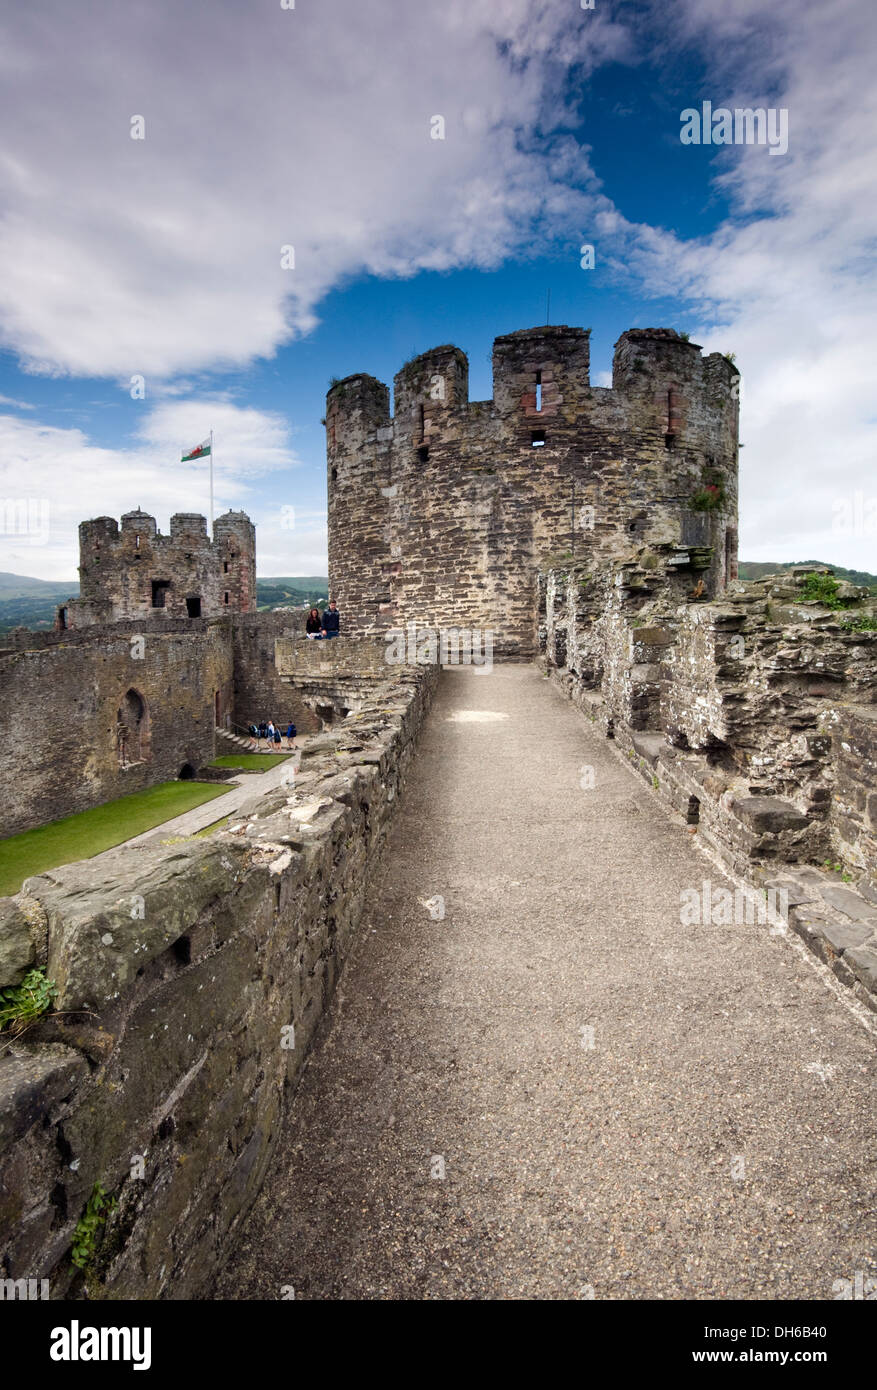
(60, 707)
(445, 513)
(206, 966)
(259, 691)
(754, 715)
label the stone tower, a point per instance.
(132, 571)
(445, 513)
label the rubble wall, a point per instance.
(754, 715)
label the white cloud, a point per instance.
(67, 478)
(306, 127)
(789, 282)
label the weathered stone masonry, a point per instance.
(445, 513)
(94, 715)
(127, 691)
(755, 715)
(133, 571)
(206, 966)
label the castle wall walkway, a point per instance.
(459, 1133)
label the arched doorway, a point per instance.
(132, 729)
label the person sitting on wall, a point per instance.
(314, 624)
(331, 621)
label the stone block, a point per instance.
(862, 960)
(100, 937)
(769, 814)
(32, 1080)
(17, 952)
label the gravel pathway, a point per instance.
(557, 1090)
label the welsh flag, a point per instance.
(199, 452)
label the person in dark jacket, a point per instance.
(331, 620)
(314, 624)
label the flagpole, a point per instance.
(211, 482)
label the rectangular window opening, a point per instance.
(537, 439)
(159, 592)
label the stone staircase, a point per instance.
(230, 742)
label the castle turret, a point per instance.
(234, 544)
(358, 455)
(445, 514)
(425, 391)
(134, 572)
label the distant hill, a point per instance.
(286, 591)
(20, 586)
(26, 602)
(757, 569)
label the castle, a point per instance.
(446, 513)
(146, 674)
(592, 529)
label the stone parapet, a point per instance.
(191, 977)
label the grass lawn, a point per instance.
(89, 832)
(250, 760)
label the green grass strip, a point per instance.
(90, 832)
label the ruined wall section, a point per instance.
(755, 717)
(181, 1026)
(133, 571)
(259, 691)
(739, 704)
(446, 514)
(64, 750)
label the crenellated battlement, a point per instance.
(444, 511)
(134, 571)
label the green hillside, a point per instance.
(757, 569)
(284, 590)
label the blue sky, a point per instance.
(160, 257)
